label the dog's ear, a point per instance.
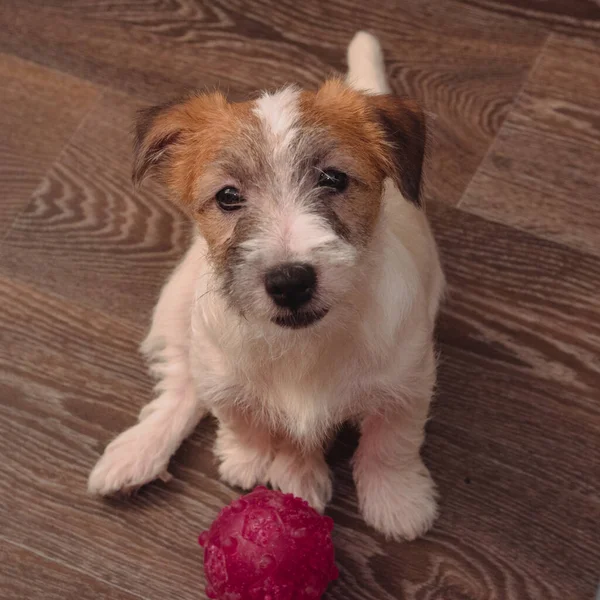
(175, 139)
(403, 123)
(157, 131)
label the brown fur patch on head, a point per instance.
(346, 117)
(182, 142)
(180, 139)
(385, 133)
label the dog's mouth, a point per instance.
(300, 319)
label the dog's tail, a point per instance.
(366, 70)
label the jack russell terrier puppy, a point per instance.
(307, 299)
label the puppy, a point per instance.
(307, 299)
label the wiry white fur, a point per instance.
(304, 474)
(280, 394)
(244, 449)
(279, 111)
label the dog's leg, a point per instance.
(141, 453)
(244, 449)
(303, 473)
(395, 491)
(249, 455)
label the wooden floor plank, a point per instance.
(40, 111)
(464, 64)
(541, 173)
(578, 17)
(25, 574)
(86, 229)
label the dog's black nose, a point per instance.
(291, 285)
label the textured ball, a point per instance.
(268, 546)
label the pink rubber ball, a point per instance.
(268, 546)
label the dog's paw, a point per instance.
(400, 504)
(130, 461)
(305, 476)
(244, 471)
(242, 464)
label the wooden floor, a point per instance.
(513, 87)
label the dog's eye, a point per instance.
(229, 199)
(333, 179)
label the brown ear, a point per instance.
(157, 130)
(403, 123)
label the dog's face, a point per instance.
(286, 189)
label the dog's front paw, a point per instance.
(401, 504)
(130, 461)
(242, 462)
(244, 471)
(305, 476)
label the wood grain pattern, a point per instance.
(465, 65)
(86, 229)
(25, 574)
(40, 111)
(541, 173)
(579, 17)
